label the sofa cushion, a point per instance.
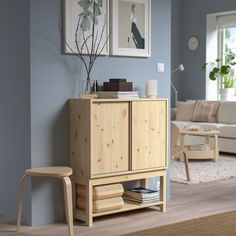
(227, 112)
(184, 110)
(227, 131)
(205, 111)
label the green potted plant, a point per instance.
(224, 71)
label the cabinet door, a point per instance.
(110, 137)
(149, 134)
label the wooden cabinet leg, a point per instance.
(21, 200)
(68, 204)
(163, 192)
(89, 204)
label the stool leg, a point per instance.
(21, 199)
(68, 204)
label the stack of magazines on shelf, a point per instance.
(141, 195)
(201, 147)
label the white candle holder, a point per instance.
(151, 88)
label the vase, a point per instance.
(227, 94)
(89, 88)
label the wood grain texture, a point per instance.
(79, 137)
(211, 153)
(128, 177)
(68, 204)
(51, 171)
(110, 137)
(104, 136)
(107, 191)
(108, 204)
(178, 150)
(61, 173)
(208, 133)
(149, 134)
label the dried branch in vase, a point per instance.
(90, 40)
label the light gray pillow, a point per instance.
(184, 110)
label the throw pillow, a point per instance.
(205, 111)
(184, 110)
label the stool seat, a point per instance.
(53, 171)
(59, 172)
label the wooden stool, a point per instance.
(62, 173)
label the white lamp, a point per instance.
(179, 68)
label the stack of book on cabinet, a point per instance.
(118, 94)
(141, 195)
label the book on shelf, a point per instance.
(138, 201)
(118, 94)
(202, 147)
(140, 193)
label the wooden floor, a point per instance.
(187, 202)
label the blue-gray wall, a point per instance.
(176, 53)
(37, 80)
(193, 22)
(14, 102)
(52, 83)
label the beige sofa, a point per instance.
(225, 123)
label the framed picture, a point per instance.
(131, 28)
(79, 23)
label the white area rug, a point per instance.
(205, 170)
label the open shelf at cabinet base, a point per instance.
(128, 206)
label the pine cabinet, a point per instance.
(148, 134)
(110, 137)
(114, 141)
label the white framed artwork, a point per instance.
(131, 28)
(78, 26)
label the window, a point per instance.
(226, 47)
(221, 40)
(228, 42)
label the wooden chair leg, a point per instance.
(68, 204)
(21, 200)
(186, 166)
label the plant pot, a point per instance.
(227, 94)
